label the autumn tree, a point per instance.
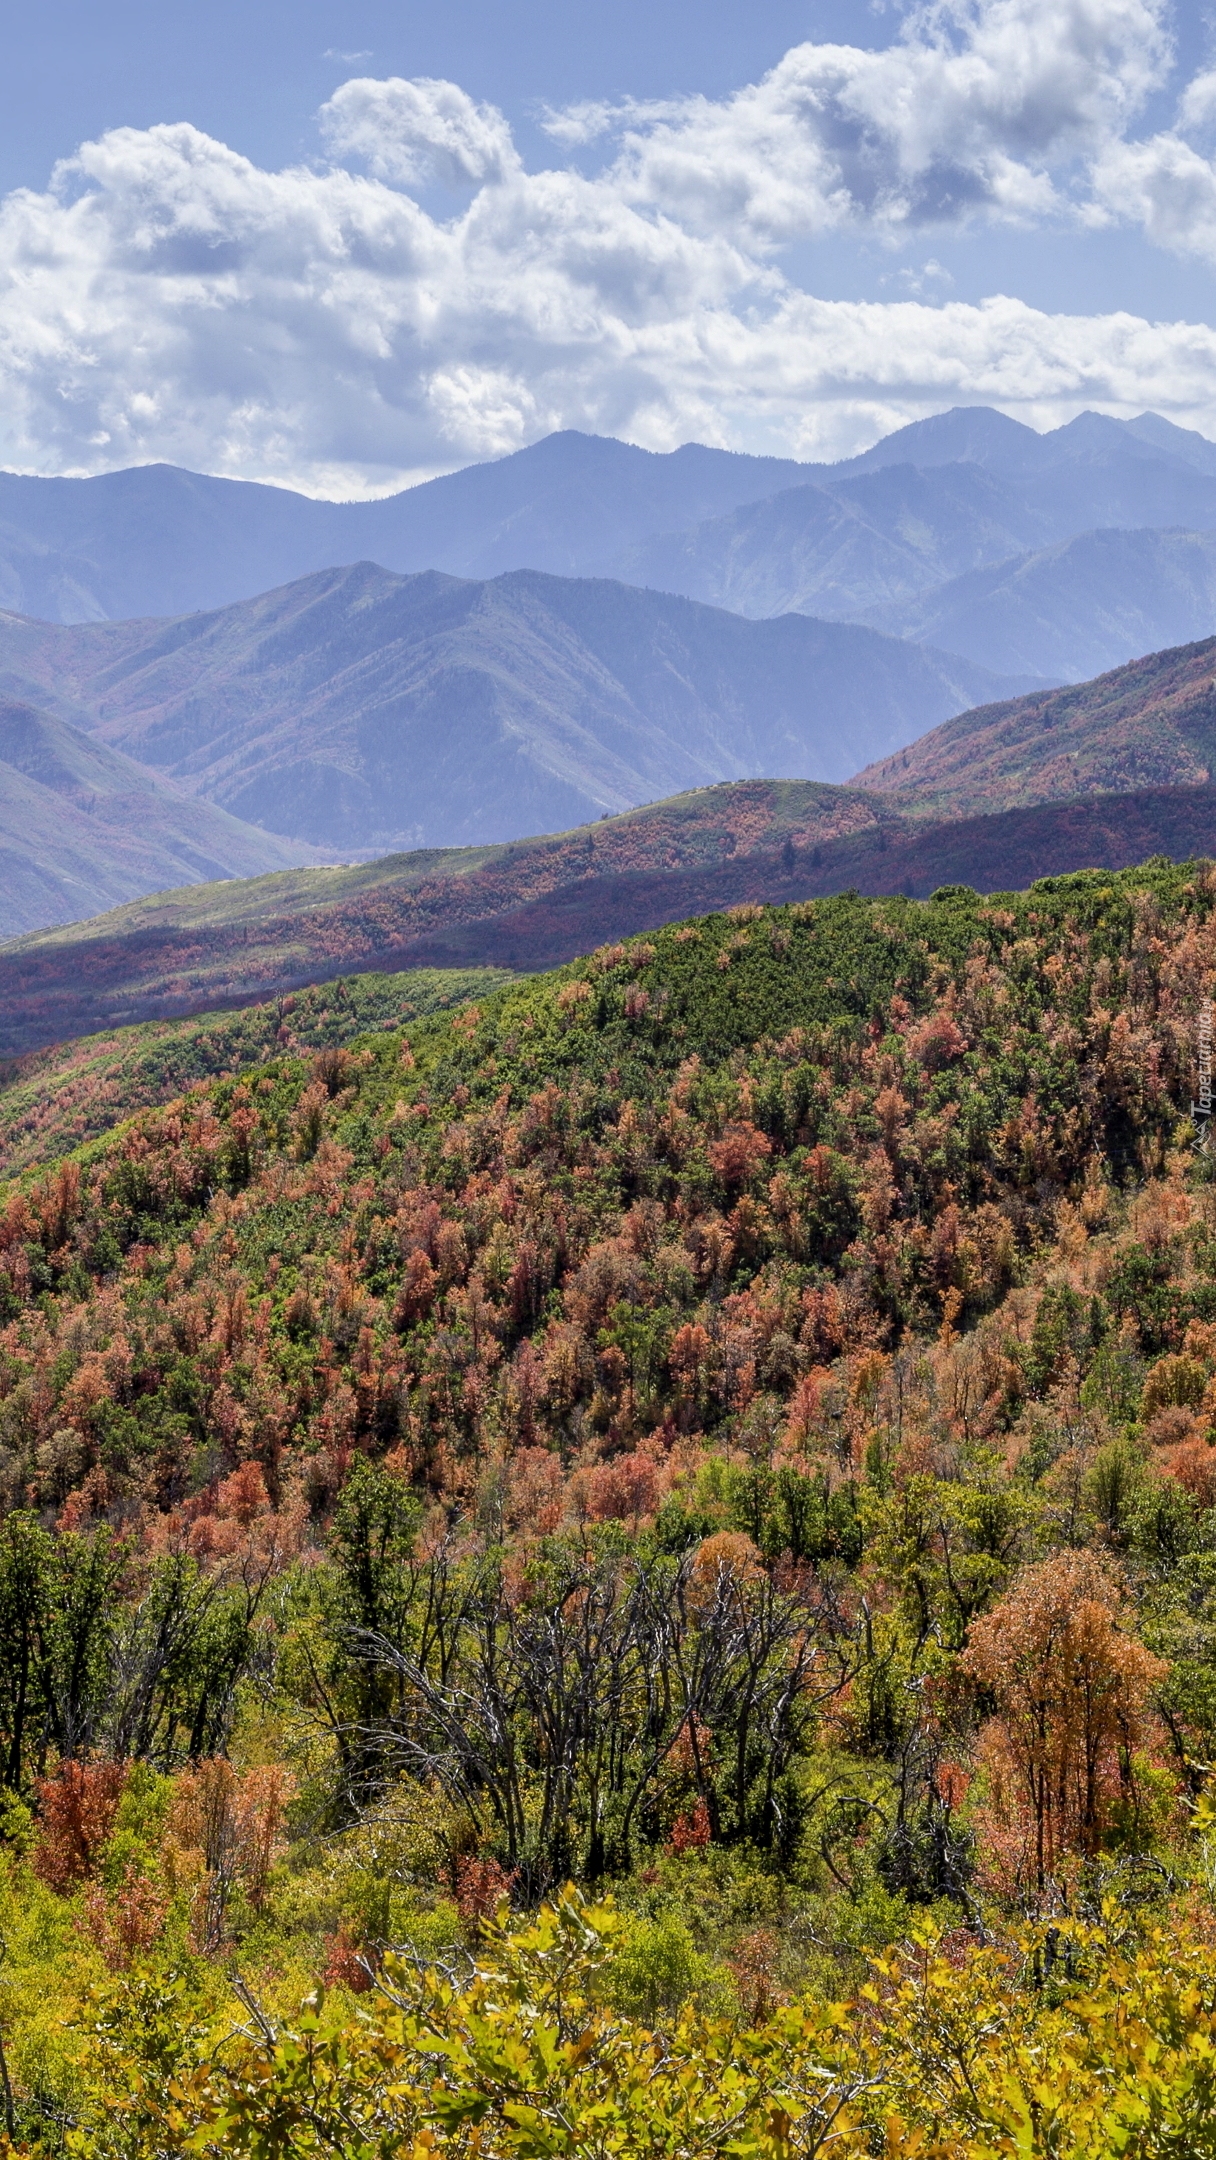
(1071, 1689)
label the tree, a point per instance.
(1070, 1689)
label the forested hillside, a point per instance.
(538, 902)
(52, 1100)
(1151, 724)
(727, 1425)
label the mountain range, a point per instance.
(360, 711)
(155, 540)
(890, 531)
(577, 629)
(1101, 775)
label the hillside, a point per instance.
(83, 828)
(531, 902)
(1148, 725)
(539, 903)
(650, 1431)
(1078, 608)
(54, 1100)
(364, 711)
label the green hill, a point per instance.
(714, 1424)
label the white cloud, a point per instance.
(968, 112)
(166, 298)
(1164, 186)
(1197, 105)
(419, 131)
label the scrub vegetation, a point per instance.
(631, 1569)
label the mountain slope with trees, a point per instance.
(1150, 724)
(534, 901)
(1103, 773)
(729, 1423)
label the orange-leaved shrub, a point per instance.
(77, 1810)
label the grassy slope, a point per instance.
(53, 1100)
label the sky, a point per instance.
(345, 247)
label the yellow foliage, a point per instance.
(1071, 2043)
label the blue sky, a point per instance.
(255, 74)
(346, 246)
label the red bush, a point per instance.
(126, 1923)
(345, 1963)
(480, 1887)
(936, 1041)
(624, 1490)
(77, 1809)
(691, 1833)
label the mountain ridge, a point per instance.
(365, 712)
(160, 540)
(1081, 606)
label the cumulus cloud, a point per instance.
(975, 108)
(342, 328)
(1166, 184)
(419, 131)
